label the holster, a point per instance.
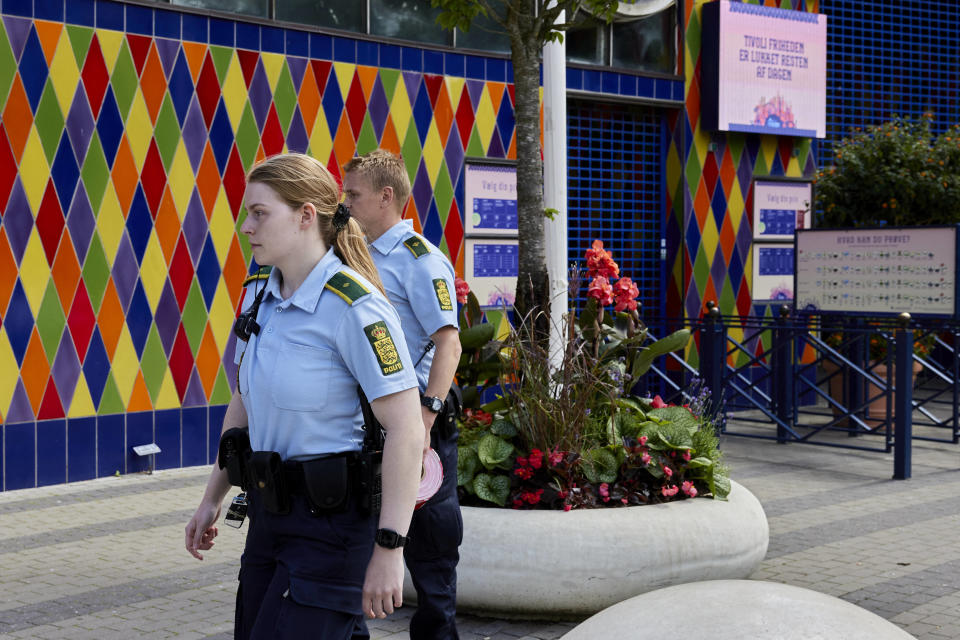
(233, 454)
(370, 482)
(446, 423)
(327, 483)
(266, 475)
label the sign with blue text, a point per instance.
(490, 199)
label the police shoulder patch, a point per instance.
(262, 274)
(416, 246)
(383, 347)
(347, 287)
(443, 294)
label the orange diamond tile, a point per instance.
(234, 271)
(35, 371)
(389, 140)
(728, 173)
(344, 144)
(140, 397)
(124, 175)
(701, 204)
(208, 180)
(8, 272)
(195, 53)
(208, 361)
(167, 225)
(443, 114)
(368, 77)
(110, 319)
(17, 117)
(309, 99)
(496, 90)
(66, 273)
(153, 84)
(728, 239)
(49, 34)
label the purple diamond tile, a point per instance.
(66, 369)
(18, 30)
(195, 226)
(297, 138)
(718, 270)
(125, 271)
(229, 366)
(194, 133)
(167, 317)
(168, 50)
(297, 66)
(745, 173)
(260, 95)
(18, 220)
(195, 395)
(378, 108)
(454, 152)
(475, 90)
(81, 223)
(80, 124)
(692, 301)
(744, 237)
(422, 191)
(412, 80)
(495, 149)
(20, 409)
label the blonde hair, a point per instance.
(383, 169)
(298, 179)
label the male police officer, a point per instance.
(419, 281)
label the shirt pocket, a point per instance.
(301, 377)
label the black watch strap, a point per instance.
(432, 403)
(390, 539)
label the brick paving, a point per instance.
(104, 559)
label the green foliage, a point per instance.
(892, 174)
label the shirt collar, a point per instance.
(385, 243)
(308, 293)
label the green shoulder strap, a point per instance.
(416, 246)
(347, 287)
(262, 274)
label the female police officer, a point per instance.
(323, 326)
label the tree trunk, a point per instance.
(532, 295)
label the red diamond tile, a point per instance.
(153, 178)
(8, 168)
(81, 321)
(453, 232)
(272, 136)
(513, 95)
(50, 222)
(234, 182)
(208, 90)
(321, 72)
(248, 64)
(356, 106)
(95, 76)
(710, 173)
(50, 406)
(465, 118)
(181, 362)
(181, 272)
(139, 47)
(433, 87)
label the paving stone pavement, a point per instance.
(104, 559)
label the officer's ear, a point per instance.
(386, 196)
(308, 213)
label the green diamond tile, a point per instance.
(153, 363)
(701, 268)
(285, 98)
(802, 146)
(693, 172)
(728, 301)
(368, 138)
(110, 401)
(248, 137)
(443, 192)
(8, 64)
(760, 167)
(50, 322)
(49, 121)
(95, 173)
(124, 80)
(411, 152)
(80, 38)
(221, 61)
(693, 35)
(221, 389)
(194, 317)
(389, 78)
(735, 144)
(474, 147)
(167, 132)
(443, 245)
(96, 272)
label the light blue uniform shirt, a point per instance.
(418, 279)
(298, 377)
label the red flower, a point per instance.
(667, 471)
(462, 289)
(567, 507)
(686, 455)
(536, 458)
(600, 262)
(523, 473)
(670, 490)
(626, 293)
(658, 403)
(601, 290)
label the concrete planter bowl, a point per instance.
(569, 565)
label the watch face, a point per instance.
(434, 404)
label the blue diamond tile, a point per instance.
(167, 317)
(505, 119)
(432, 228)
(297, 138)
(109, 126)
(18, 322)
(422, 113)
(33, 69)
(96, 366)
(261, 96)
(125, 271)
(221, 137)
(82, 223)
(139, 318)
(332, 102)
(65, 173)
(80, 123)
(181, 87)
(194, 134)
(208, 271)
(18, 220)
(139, 223)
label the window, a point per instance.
(248, 7)
(335, 14)
(484, 34)
(635, 42)
(408, 20)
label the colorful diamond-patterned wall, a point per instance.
(126, 132)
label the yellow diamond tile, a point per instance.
(701, 144)
(167, 398)
(735, 206)
(400, 111)
(64, 74)
(125, 365)
(486, 117)
(321, 144)
(139, 129)
(34, 180)
(794, 170)
(153, 271)
(710, 237)
(181, 179)
(222, 225)
(454, 89)
(273, 65)
(110, 43)
(82, 403)
(8, 372)
(674, 168)
(234, 92)
(34, 272)
(344, 72)
(110, 224)
(432, 152)
(221, 316)
(768, 149)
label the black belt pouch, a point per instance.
(446, 423)
(266, 476)
(327, 483)
(233, 453)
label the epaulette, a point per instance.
(416, 246)
(347, 287)
(262, 274)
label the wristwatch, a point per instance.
(390, 539)
(433, 404)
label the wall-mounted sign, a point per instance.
(773, 272)
(779, 209)
(490, 267)
(490, 199)
(883, 270)
(764, 70)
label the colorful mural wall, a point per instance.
(125, 135)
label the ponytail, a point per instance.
(351, 247)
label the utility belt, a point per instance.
(446, 423)
(331, 483)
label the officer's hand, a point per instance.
(383, 584)
(200, 531)
(429, 417)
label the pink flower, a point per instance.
(600, 262)
(686, 455)
(554, 458)
(667, 471)
(643, 439)
(604, 490)
(645, 458)
(536, 458)
(689, 489)
(670, 490)
(566, 507)
(462, 289)
(658, 403)
(601, 290)
(626, 293)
